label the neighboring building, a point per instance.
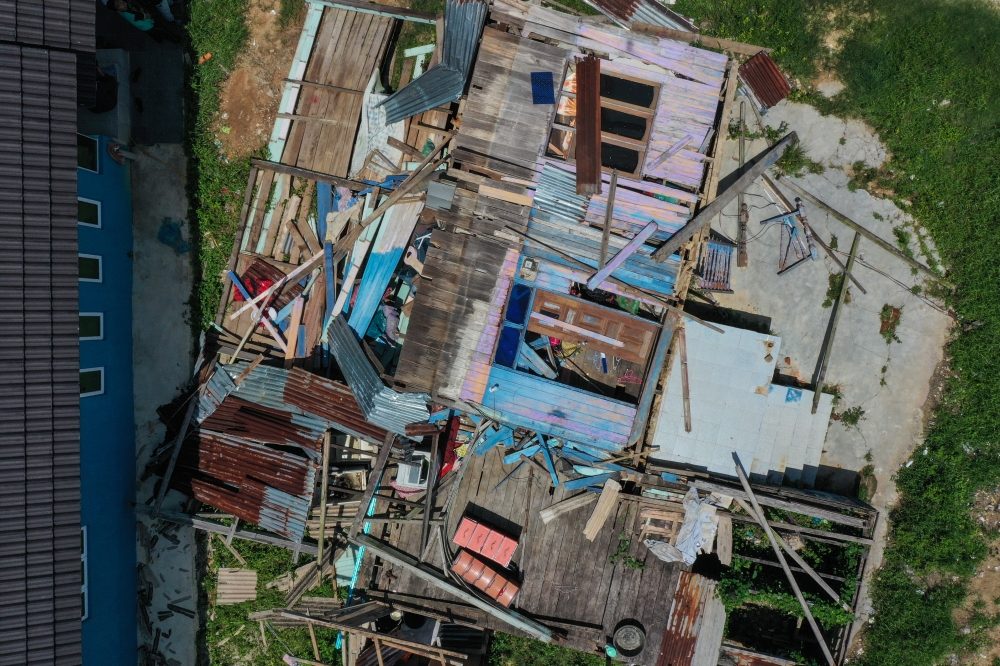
(107, 424)
(44, 47)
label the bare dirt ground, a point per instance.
(984, 588)
(250, 97)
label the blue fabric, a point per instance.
(324, 204)
(542, 88)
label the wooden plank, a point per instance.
(709, 212)
(838, 307)
(379, 10)
(373, 482)
(323, 86)
(607, 502)
(602, 274)
(608, 214)
(685, 384)
(308, 174)
(293, 330)
(698, 39)
(559, 508)
(724, 540)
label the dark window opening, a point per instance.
(508, 346)
(520, 300)
(628, 91)
(619, 157)
(86, 152)
(624, 124)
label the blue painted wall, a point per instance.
(107, 428)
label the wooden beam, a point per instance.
(312, 638)
(431, 482)
(379, 10)
(621, 256)
(176, 450)
(697, 39)
(838, 307)
(323, 86)
(784, 565)
(373, 483)
(308, 174)
(885, 245)
(609, 211)
(685, 386)
(321, 537)
(709, 212)
(777, 503)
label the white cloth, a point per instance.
(696, 534)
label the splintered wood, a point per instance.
(605, 506)
(236, 586)
(567, 505)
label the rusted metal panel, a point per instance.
(681, 635)
(625, 12)
(765, 80)
(715, 265)
(262, 424)
(588, 125)
(332, 401)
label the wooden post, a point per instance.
(784, 565)
(431, 482)
(741, 238)
(323, 492)
(192, 404)
(606, 236)
(232, 531)
(312, 637)
(378, 651)
(866, 233)
(824, 355)
(685, 387)
(373, 483)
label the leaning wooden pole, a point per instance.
(324, 485)
(784, 565)
(824, 355)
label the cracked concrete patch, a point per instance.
(820, 136)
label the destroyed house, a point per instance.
(473, 341)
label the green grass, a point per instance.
(900, 61)
(269, 562)
(416, 34)
(509, 650)
(215, 187)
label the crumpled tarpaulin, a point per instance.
(696, 534)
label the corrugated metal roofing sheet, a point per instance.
(714, 266)
(266, 425)
(443, 83)
(625, 12)
(380, 404)
(686, 611)
(588, 125)
(765, 80)
(220, 384)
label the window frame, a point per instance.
(93, 393)
(100, 316)
(100, 267)
(640, 146)
(85, 571)
(100, 213)
(97, 153)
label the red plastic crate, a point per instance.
(464, 532)
(479, 537)
(505, 552)
(492, 545)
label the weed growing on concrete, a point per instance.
(836, 281)
(771, 134)
(834, 242)
(889, 318)
(852, 416)
(862, 176)
(843, 141)
(835, 390)
(903, 238)
(867, 474)
(794, 162)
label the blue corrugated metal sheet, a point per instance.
(392, 239)
(558, 410)
(219, 386)
(381, 405)
(443, 83)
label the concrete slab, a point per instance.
(163, 360)
(892, 401)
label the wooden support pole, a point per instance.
(232, 531)
(429, 495)
(784, 565)
(229, 547)
(378, 651)
(685, 387)
(308, 174)
(379, 10)
(323, 492)
(621, 256)
(606, 236)
(373, 483)
(312, 637)
(741, 237)
(709, 212)
(885, 245)
(698, 39)
(824, 354)
(323, 86)
(176, 450)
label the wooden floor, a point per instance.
(567, 581)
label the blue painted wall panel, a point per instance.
(107, 428)
(558, 410)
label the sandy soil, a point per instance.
(250, 97)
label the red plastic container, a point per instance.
(485, 579)
(496, 587)
(462, 562)
(505, 552)
(510, 591)
(473, 573)
(479, 537)
(492, 545)
(464, 532)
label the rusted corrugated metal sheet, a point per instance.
(765, 80)
(262, 424)
(681, 635)
(258, 484)
(332, 401)
(743, 657)
(444, 82)
(588, 125)
(625, 12)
